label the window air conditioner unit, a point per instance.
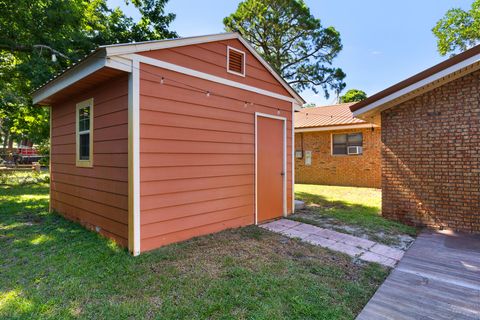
(354, 150)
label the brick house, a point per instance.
(334, 148)
(431, 144)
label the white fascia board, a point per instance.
(437, 76)
(129, 48)
(207, 76)
(332, 128)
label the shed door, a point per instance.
(270, 168)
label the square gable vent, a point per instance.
(235, 61)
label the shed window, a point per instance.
(342, 142)
(235, 61)
(84, 133)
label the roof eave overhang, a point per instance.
(94, 62)
(336, 127)
(371, 107)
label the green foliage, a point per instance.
(292, 41)
(353, 95)
(458, 30)
(21, 178)
(33, 31)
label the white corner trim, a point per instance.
(119, 63)
(134, 158)
(243, 61)
(294, 106)
(437, 76)
(207, 76)
(284, 196)
(343, 127)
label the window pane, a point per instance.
(340, 149)
(355, 139)
(339, 138)
(84, 119)
(84, 147)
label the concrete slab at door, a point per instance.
(270, 168)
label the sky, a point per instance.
(384, 41)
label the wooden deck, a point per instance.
(438, 278)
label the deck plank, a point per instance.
(438, 278)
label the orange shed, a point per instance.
(160, 141)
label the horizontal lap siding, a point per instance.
(197, 156)
(98, 196)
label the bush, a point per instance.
(14, 178)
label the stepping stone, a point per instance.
(344, 248)
(374, 257)
(292, 233)
(319, 241)
(307, 228)
(386, 251)
(279, 225)
(288, 223)
(356, 242)
(274, 226)
(353, 246)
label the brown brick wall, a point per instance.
(349, 170)
(431, 155)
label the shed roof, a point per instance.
(429, 79)
(325, 116)
(110, 56)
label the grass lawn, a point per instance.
(349, 209)
(51, 268)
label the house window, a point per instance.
(344, 144)
(84, 133)
(235, 61)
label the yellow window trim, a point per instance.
(83, 163)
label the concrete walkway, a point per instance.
(353, 246)
(438, 278)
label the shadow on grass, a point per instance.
(321, 210)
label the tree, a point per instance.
(353, 95)
(42, 37)
(458, 30)
(292, 41)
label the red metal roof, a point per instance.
(335, 115)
